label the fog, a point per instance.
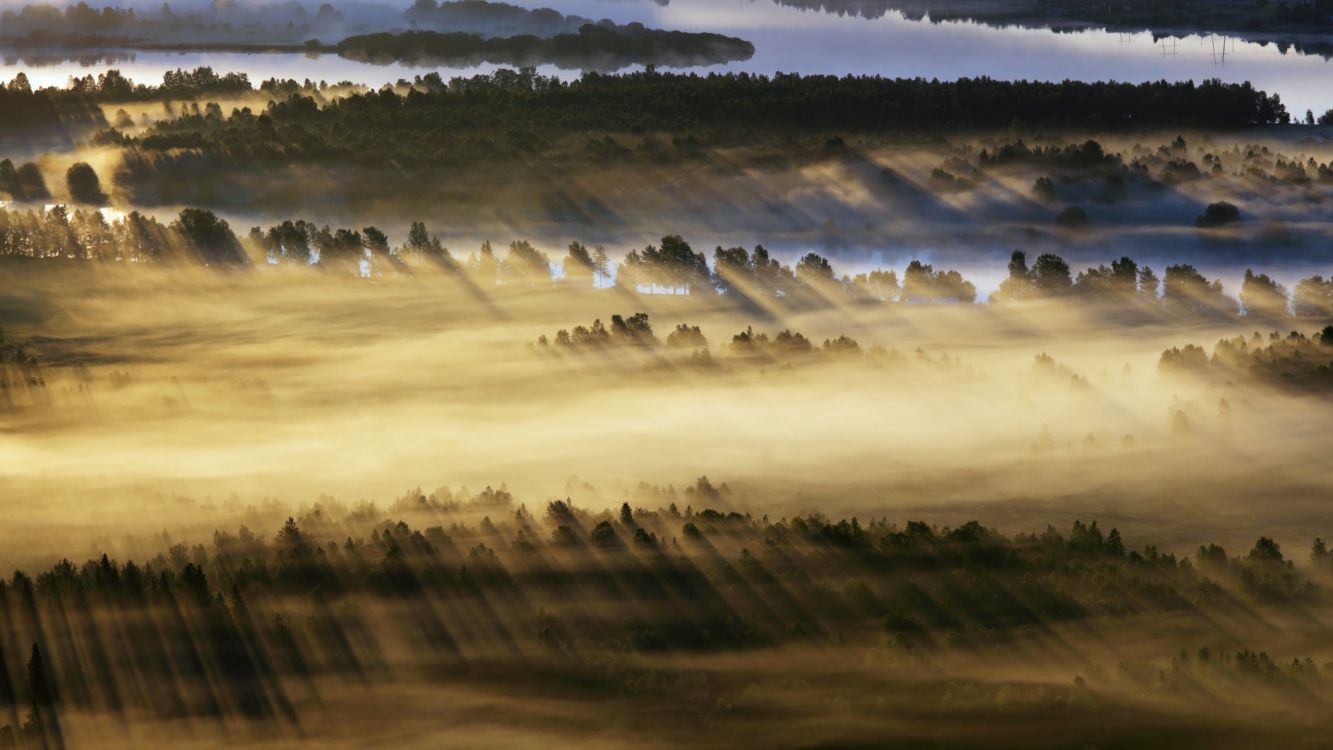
(877, 202)
(186, 412)
(180, 390)
(292, 458)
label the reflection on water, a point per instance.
(809, 41)
(29, 59)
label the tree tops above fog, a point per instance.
(1294, 361)
(671, 266)
(196, 236)
(1183, 289)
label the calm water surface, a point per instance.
(810, 41)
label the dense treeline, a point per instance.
(1293, 361)
(671, 267)
(196, 236)
(516, 112)
(25, 110)
(593, 47)
(1181, 290)
(113, 86)
(250, 624)
(201, 81)
(424, 125)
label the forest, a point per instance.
(527, 102)
(782, 182)
(595, 47)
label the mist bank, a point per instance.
(277, 503)
(171, 378)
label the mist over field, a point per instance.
(666, 374)
(186, 382)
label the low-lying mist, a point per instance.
(229, 389)
(872, 200)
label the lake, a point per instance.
(810, 41)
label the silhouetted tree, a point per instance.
(579, 266)
(1313, 297)
(1149, 285)
(686, 337)
(881, 285)
(31, 183)
(1218, 215)
(922, 283)
(525, 264)
(483, 265)
(417, 236)
(1184, 289)
(40, 690)
(376, 242)
(1262, 296)
(1072, 217)
(209, 237)
(674, 265)
(1050, 275)
(814, 269)
(84, 187)
(1119, 282)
